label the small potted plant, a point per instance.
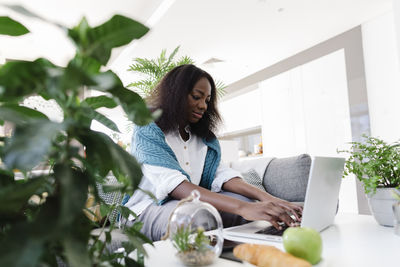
(193, 246)
(377, 165)
(195, 230)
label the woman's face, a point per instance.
(198, 100)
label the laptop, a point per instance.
(320, 204)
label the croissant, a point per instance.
(267, 256)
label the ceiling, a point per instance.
(244, 35)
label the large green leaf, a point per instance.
(137, 238)
(107, 156)
(11, 27)
(22, 78)
(73, 186)
(76, 252)
(19, 114)
(6, 178)
(24, 243)
(90, 65)
(30, 143)
(98, 42)
(94, 115)
(21, 250)
(99, 102)
(76, 242)
(14, 196)
(74, 78)
(97, 152)
(133, 105)
(79, 34)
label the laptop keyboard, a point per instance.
(271, 230)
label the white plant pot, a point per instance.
(381, 206)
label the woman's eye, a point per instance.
(195, 97)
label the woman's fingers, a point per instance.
(280, 214)
(275, 223)
(296, 214)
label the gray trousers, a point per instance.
(155, 218)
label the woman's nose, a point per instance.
(203, 105)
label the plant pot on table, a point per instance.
(381, 206)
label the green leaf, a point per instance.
(14, 196)
(125, 212)
(30, 144)
(97, 152)
(6, 178)
(73, 186)
(11, 27)
(104, 210)
(21, 251)
(22, 78)
(133, 105)
(99, 102)
(76, 242)
(107, 156)
(74, 78)
(137, 238)
(90, 65)
(129, 262)
(94, 115)
(20, 114)
(98, 42)
(79, 34)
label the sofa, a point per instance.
(285, 178)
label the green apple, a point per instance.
(303, 242)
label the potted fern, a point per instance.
(151, 71)
(377, 165)
(42, 219)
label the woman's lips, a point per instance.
(197, 115)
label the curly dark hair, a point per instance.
(170, 96)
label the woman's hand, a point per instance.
(274, 210)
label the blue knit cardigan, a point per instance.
(149, 147)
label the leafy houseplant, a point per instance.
(54, 228)
(377, 165)
(153, 70)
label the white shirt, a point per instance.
(161, 181)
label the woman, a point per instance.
(180, 153)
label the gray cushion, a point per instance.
(287, 178)
(252, 177)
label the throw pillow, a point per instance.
(111, 197)
(108, 198)
(287, 178)
(252, 177)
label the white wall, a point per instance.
(382, 76)
(240, 113)
(396, 13)
(306, 109)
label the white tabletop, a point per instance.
(354, 240)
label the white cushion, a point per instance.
(258, 164)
